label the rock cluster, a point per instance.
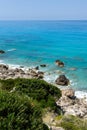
(6, 72)
(72, 106)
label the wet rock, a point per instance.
(69, 93)
(21, 66)
(62, 80)
(43, 65)
(36, 68)
(2, 52)
(59, 63)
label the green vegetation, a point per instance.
(73, 123)
(7, 84)
(39, 90)
(19, 113)
(22, 102)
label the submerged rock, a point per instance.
(59, 63)
(62, 80)
(2, 52)
(43, 65)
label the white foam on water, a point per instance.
(14, 49)
(1, 61)
(81, 95)
(12, 66)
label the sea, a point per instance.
(32, 43)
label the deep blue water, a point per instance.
(43, 42)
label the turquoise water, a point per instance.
(31, 43)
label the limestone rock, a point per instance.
(65, 102)
(68, 92)
(76, 107)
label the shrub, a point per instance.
(45, 93)
(19, 113)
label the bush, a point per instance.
(45, 93)
(19, 113)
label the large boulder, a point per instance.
(59, 63)
(2, 52)
(68, 92)
(65, 102)
(62, 80)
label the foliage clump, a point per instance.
(19, 113)
(22, 102)
(45, 93)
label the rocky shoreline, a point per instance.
(7, 72)
(68, 103)
(71, 105)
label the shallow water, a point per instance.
(31, 43)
